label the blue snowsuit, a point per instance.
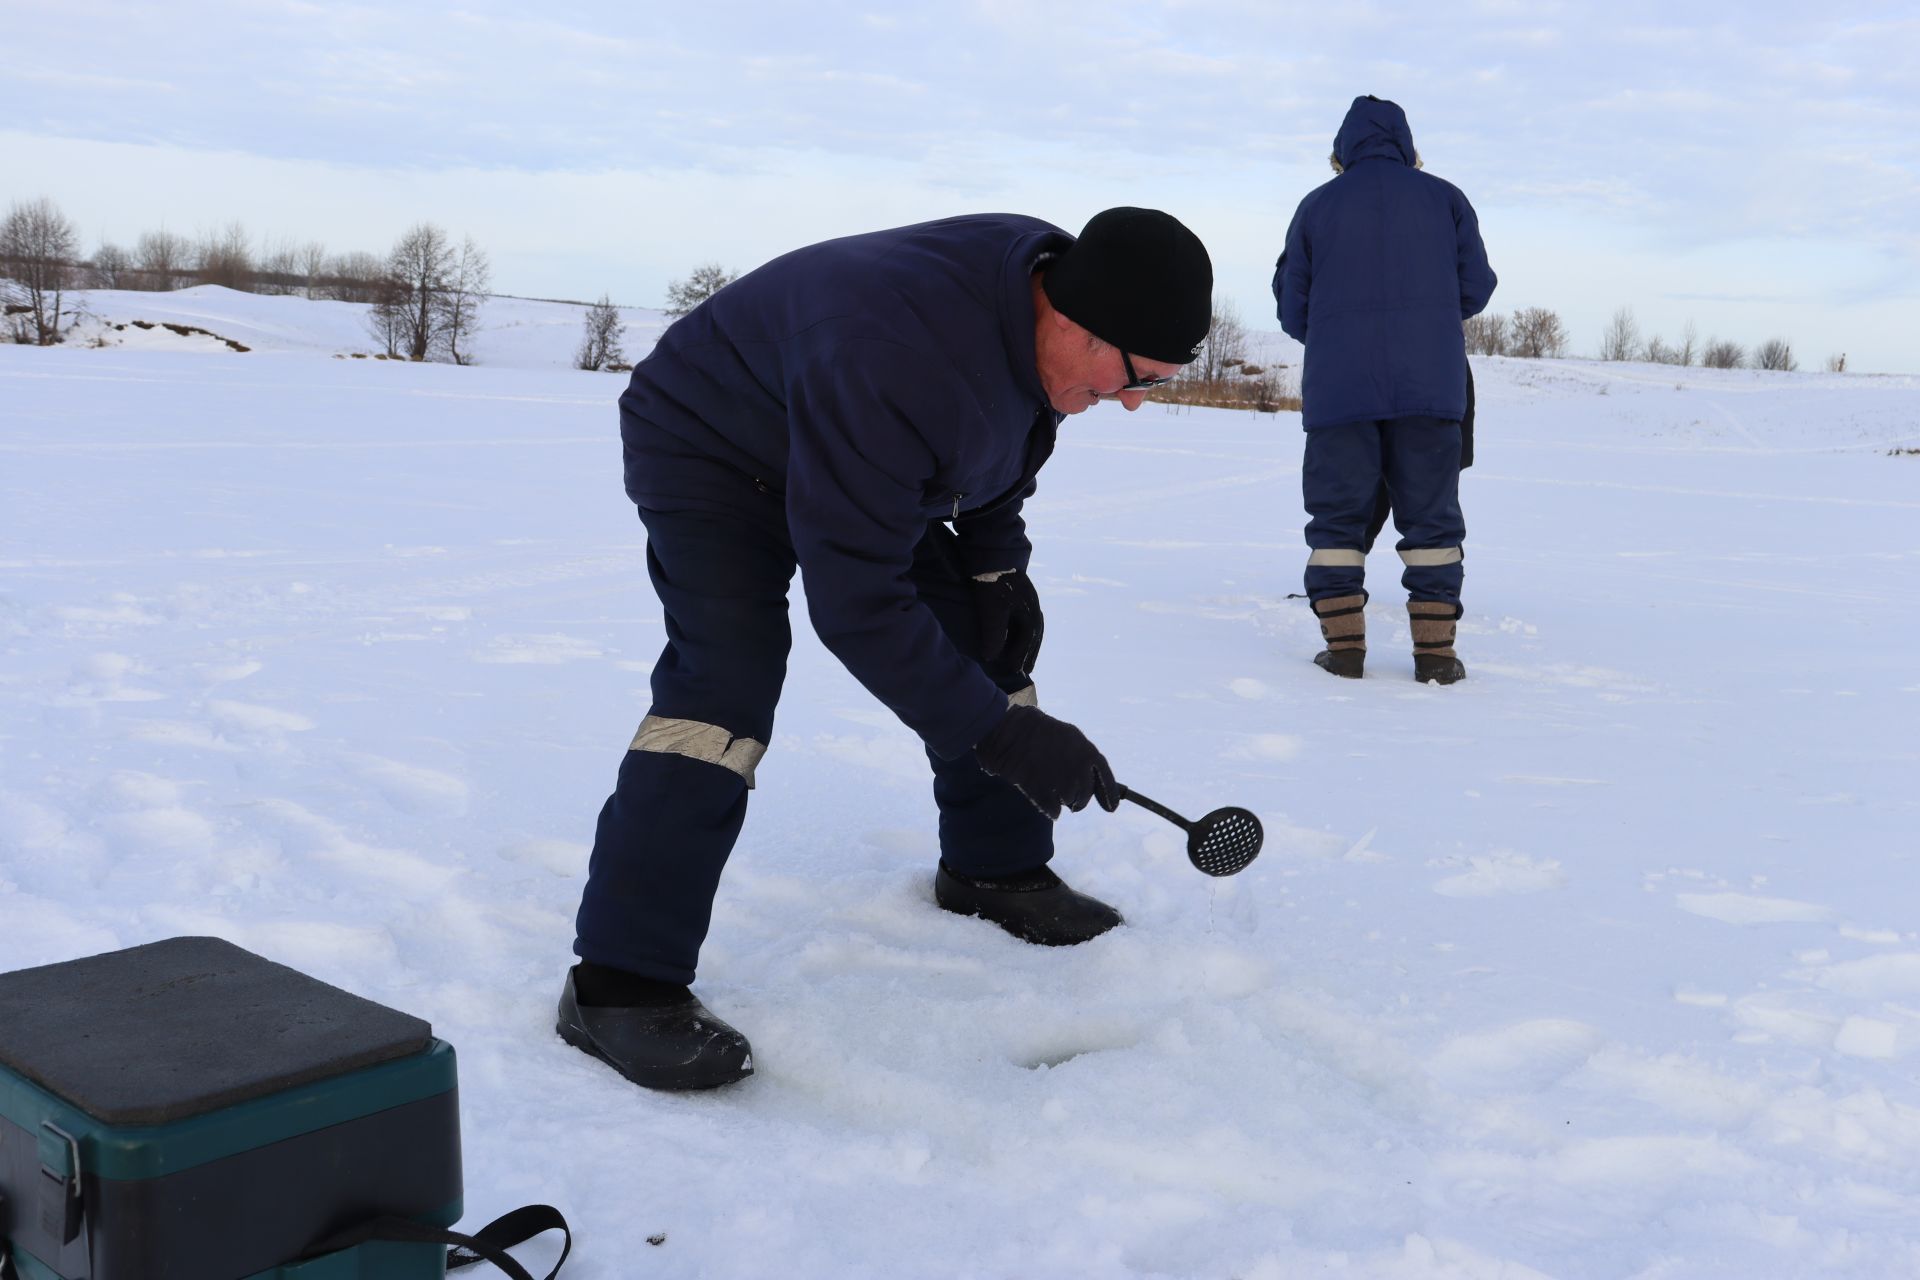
(1381, 266)
(831, 412)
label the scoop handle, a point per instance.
(1154, 806)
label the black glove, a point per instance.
(1007, 612)
(1051, 762)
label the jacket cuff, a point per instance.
(989, 558)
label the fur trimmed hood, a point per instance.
(1374, 127)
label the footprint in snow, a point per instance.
(172, 829)
(541, 650)
(566, 858)
(1893, 977)
(1745, 908)
(410, 788)
(178, 733)
(1492, 874)
(1525, 1057)
(229, 672)
(1275, 747)
(102, 678)
(119, 610)
(248, 717)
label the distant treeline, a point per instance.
(424, 293)
(1538, 332)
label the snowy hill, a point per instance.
(514, 333)
(1601, 964)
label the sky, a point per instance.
(1752, 170)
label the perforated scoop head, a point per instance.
(1225, 841)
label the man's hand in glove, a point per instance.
(1051, 762)
(1008, 612)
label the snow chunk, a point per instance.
(1741, 908)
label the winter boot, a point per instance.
(1433, 658)
(1343, 624)
(660, 1036)
(1034, 906)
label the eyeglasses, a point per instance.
(1137, 383)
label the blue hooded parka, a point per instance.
(1381, 266)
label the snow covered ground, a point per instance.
(1604, 963)
(515, 333)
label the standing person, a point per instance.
(1381, 266)
(871, 411)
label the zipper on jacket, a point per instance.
(956, 504)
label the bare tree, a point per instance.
(161, 258)
(428, 302)
(468, 276)
(1723, 355)
(278, 269)
(388, 315)
(1274, 392)
(1837, 363)
(600, 346)
(1486, 334)
(417, 268)
(38, 244)
(225, 258)
(1224, 350)
(313, 265)
(1621, 341)
(354, 277)
(1537, 334)
(112, 267)
(702, 283)
(1658, 352)
(1689, 348)
(1775, 354)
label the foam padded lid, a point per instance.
(174, 1029)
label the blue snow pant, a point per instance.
(1418, 460)
(677, 808)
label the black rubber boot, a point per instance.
(1343, 625)
(672, 1043)
(1434, 668)
(1434, 622)
(1035, 906)
(1348, 663)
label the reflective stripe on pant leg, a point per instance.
(1428, 557)
(698, 741)
(1343, 557)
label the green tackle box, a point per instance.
(187, 1110)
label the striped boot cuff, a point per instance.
(1343, 621)
(1433, 624)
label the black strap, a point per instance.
(489, 1244)
(508, 1230)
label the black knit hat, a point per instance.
(1138, 279)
